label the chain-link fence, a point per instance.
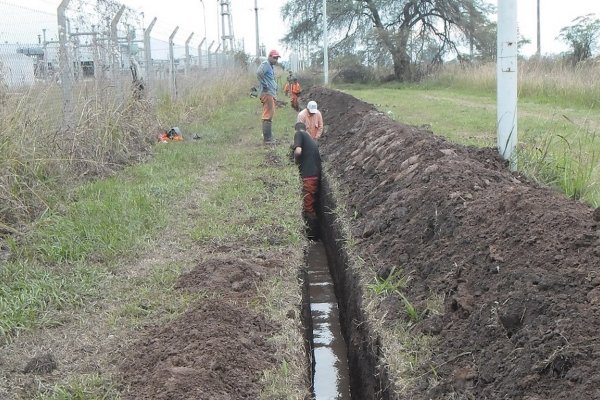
(98, 41)
(84, 90)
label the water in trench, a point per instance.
(331, 375)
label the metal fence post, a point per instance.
(200, 53)
(187, 53)
(172, 79)
(148, 54)
(208, 54)
(115, 62)
(66, 78)
(217, 55)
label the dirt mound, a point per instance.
(217, 349)
(517, 265)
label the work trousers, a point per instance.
(310, 186)
(268, 104)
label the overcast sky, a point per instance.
(189, 16)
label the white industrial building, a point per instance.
(16, 70)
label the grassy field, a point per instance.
(101, 265)
(558, 140)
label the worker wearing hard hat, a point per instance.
(268, 93)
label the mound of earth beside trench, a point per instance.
(220, 347)
(517, 265)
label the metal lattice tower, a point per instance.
(227, 26)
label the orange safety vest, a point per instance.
(295, 89)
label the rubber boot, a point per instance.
(312, 227)
(267, 134)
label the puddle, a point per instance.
(331, 374)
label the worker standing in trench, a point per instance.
(306, 155)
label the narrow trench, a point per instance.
(330, 375)
(342, 346)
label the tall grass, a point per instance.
(39, 157)
(543, 81)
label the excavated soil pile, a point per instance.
(218, 349)
(518, 265)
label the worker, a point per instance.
(295, 91)
(306, 155)
(268, 93)
(312, 118)
(286, 87)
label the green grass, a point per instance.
(108, 221)
(31, 295)
(394, 283)
(116, 217)
(253, 194)
(84, 387)
(80, 259)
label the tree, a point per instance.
(400, 28)
(581, 36)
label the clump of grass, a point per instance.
(567, 162)
(394, 283)
(82, 387)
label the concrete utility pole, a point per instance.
(204, 17)
(325, 45)
(256, 23)
(539, 45)
(506, 67)
(66, 77)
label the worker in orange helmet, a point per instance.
(267, 93)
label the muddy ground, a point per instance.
(517, 265)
